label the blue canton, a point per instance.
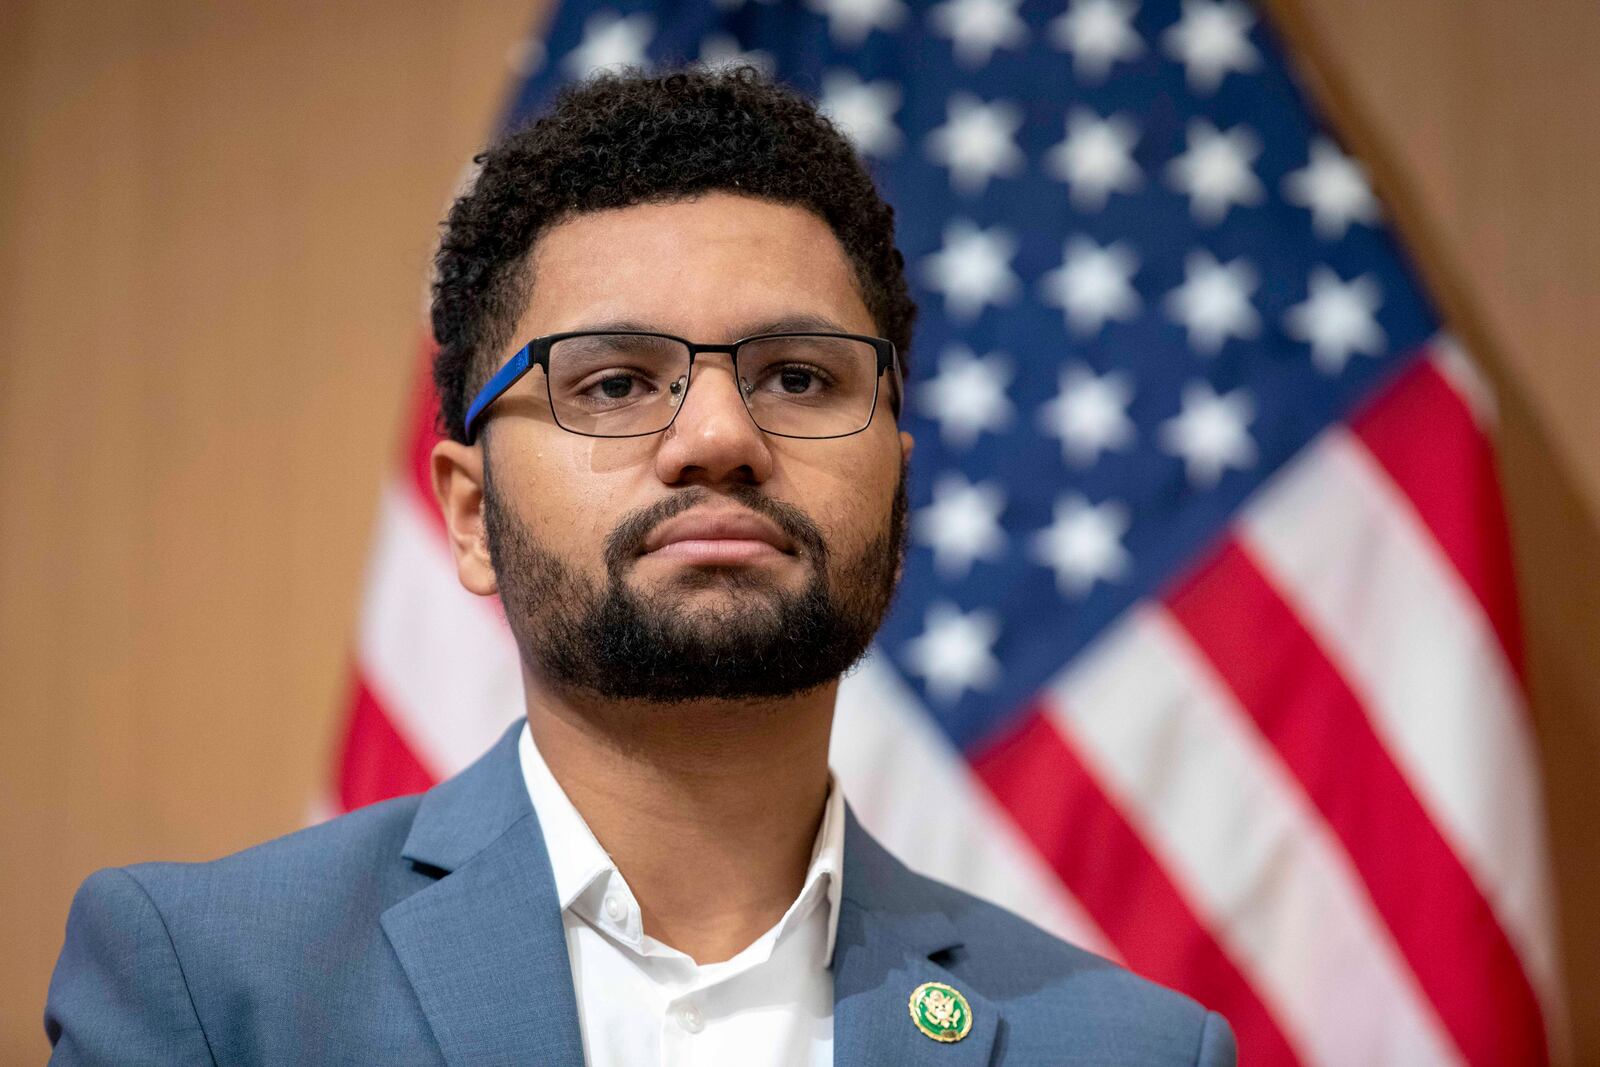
(1148, 278)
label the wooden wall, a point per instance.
(214, 223)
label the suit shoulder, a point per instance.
(1044, 979)
(351, 852)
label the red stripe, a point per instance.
(376, 763)
(1037, 775)
(1423, 434)
(1441, 922)
(422, 434)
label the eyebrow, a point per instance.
(798, 323)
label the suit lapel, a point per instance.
(485, 950)
(484, 946)
(889, 927)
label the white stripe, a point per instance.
(438, 658)
(1257, 864)
(1466, 379)
(896, 767)
(1345, 548)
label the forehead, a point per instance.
(692, 266)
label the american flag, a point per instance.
(1207, 654)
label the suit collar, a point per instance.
(461, 816)
(484, 946)
(485, 949)
(895, 933)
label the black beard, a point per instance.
(619, 644)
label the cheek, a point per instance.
(859, 498)
(564, 503)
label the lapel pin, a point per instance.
(940, 1011)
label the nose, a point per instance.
(713, 440)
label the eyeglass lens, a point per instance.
(619, 385)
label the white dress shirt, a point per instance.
(641, 1002)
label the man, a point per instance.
(671, 320)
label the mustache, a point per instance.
(626, 542)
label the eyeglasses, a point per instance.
(632, 383)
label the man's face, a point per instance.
(711, 560)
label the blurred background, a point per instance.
(215, 223)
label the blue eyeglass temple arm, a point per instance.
(503, 378)
(520, 363)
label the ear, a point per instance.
(458, 487)
(907, 443)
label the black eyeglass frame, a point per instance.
(536, 353)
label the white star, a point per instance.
(724, 50)
(849, 21)
(978, 27)
(1335, 188)
(1211, 39)
(1213, 303)
(1083, 544)
(611, 40)
(973, 268)
(1097, 33)
(1214, 171)
(863, 111)
(954, 651)
(1337, 319)
(968, 396)
(962, 525)
(1089, 414)
(1093, 284)
(1096, 159)
(976, 142)
(1209, 433)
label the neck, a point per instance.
(717, 802)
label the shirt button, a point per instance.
(690, 1019)
(616, 910)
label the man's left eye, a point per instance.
(795, 380)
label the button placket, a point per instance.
(689, 1017)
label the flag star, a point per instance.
(1213, 303)
(611, 40)
(977, 142)
(724, 50)
(954, 652)
(1089, 414)
(978, 27)
(1337, 319)
(1209, 433)
(973, 268)
(968, 395)
(1083, 544)
(1210, 39)
(1093, 284)
(863, 111)
(849, 21)
(962, 525)
(1096, 159)
(1097, 33)
(1335, 188)
(1215, 172)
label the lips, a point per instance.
(702, 535)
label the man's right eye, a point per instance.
(616, 387)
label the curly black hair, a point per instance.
(633, 138)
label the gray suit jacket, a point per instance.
(426, 930)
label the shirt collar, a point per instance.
(583, 870)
